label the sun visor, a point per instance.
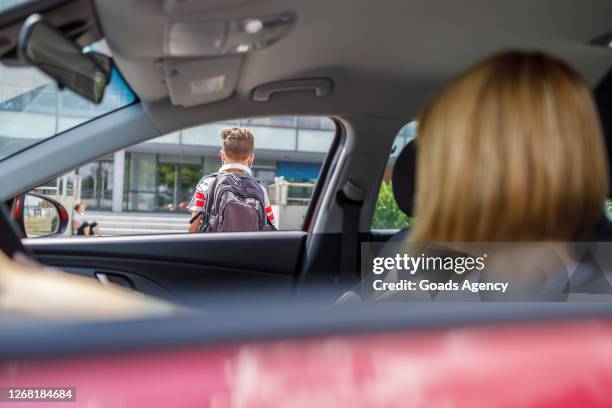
(196, 82)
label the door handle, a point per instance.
(103, 278)
(114, 278)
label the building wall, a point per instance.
(161, 174)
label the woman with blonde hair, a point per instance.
(512, 150)
(509, 154)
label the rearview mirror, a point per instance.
(48, 49)
(39, 215)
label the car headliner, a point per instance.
(385, 57)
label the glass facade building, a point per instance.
(160, 175)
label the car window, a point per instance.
(147, 188)
(33, 108)
(6, 5)
(387, 214)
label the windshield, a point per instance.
(6, 5)
(32, 108)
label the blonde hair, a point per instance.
(237, 143)
(512, 150)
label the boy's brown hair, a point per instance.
(237, 143)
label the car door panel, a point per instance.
(180, 265)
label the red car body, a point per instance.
(554, 364)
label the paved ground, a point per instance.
(130, 223)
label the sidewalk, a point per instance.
(131, 223)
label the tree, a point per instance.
(387, 214)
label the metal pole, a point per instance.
(118, 177)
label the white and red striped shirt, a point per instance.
(200, 196)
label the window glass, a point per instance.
(6, 5)
(276, 122)
(206, 135)
(146, 188)
(275, 138)
(170, 138)
(33, 108)
(309, 140)
(315, 123)
(387, 214)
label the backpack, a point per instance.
(235, 203)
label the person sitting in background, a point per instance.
(80, 224)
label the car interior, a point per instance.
(256, 318)
(371, 77)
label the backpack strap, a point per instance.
(209, 200)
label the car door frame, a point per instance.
(196, 259)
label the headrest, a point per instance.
(404, 178)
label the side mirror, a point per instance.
(40, 216)
(48, 49)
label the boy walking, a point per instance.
(231, 199)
